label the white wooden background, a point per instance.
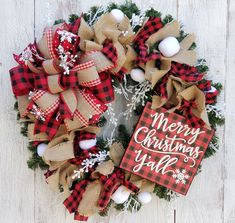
(24, 197)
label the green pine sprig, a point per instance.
(36, 162)
(163, 192)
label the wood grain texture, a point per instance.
(24, 195)
(199, 17)
(16, 181)
(229, 173)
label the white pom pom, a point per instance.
(117, 14)
(87, 144)
(120, 195)
(137, 75)
(144, 197)
(169, 46)
(41, 148)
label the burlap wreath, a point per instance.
(65, 80)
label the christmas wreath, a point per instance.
(64, 85)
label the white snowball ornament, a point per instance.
(169, 46)
(120, 195)
(144, 197)
(41, 148)
(87, 144)
(117, 14)
(137, 75)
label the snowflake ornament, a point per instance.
(65, 35)
(180, 176)
(26, 56)
(67, 60)
(88, 163)
(137, 20)
(39, 114)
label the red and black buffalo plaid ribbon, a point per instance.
(150, 27)
(120, 74)
(110, 51)
(191, 118)
(104, 91)
(111, 183)
(79, 217)
(186, 168)
(211, 95)
(183, 71)
(72, 202)
(73, 27)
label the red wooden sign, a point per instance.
(165, 150)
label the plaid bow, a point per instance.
(211, 96)
(150, 27)
(191, 119)
(183, 71)
(24, 81)
(56, 97)
(111, 183)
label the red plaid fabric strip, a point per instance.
(22, 80)
(144, 56)
(52, 108)
(86, 135)
(183, 71)
(72, 202)
(50, 126)
(40, 81)
(184, 169)
(64, 112)
(94, 102)
(191, 119)
(74, 27)
(79, 217)
(150, 27)
(186, 72)
(82, 119)
(49, 35)
(84, 66)
(104, 91)
(91, 83)
(110, 51)
(204, 85)
(37, 94)
(210, 92)
(211, 97)
(110, 185)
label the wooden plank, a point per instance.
(48, 205)
(204, 203)
(16, 202)
(229, 173)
